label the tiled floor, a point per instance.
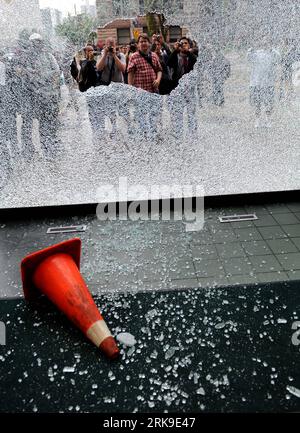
(125, 255)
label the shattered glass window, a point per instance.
(70, 124)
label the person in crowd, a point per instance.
(182, 60)
(290, 55)
(194, 48)
(87, 72)
(131, 49)
(264, 62)
(144, 69)
(91, 43)
(111, 64)
(164, 47)
(121, 55)
(123, 49)
(165, 86)
(145, 72)
(100, 46)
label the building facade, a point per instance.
(18, 15)
(234, 22)
(107, 10)
(125, 29)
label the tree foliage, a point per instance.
(77, 29)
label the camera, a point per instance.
(180, 45)
(110, 49)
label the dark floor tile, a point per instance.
(223, 235)
(209, 268)
(238, 266)
(241, 224)
(275, 232)
(171, 252)
(289, 261)
(169, 227)
(294, 207)
(204, 252)
(184, 284)
(265, 221)
(297, 215)
(269, 277)
(282, 246)
(292, 231)
(275, 208)
(152, 286)
(248, 234)
(232, 249)
(211, 282)
(149, 274)
(213, 224)
(265, 264)
(286, 218)
(256, 248)
(173, 238)
(150, 254)
(242, 279)
(202, 237)
(257, 209)
(294, 275)
(182, 269)
(234, 210)
(296, 241)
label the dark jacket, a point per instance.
(173, 63)
(88, 75)
(166, 84)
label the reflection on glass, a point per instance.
(151, 90)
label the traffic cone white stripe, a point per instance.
(98, 332)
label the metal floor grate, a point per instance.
(67, 229)
(235, 218)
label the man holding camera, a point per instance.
(111, 64)
(87, 76)
(182, 60)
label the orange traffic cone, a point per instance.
(55, 272)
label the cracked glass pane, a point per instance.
(83, 103)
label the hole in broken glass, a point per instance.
(129, 73)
